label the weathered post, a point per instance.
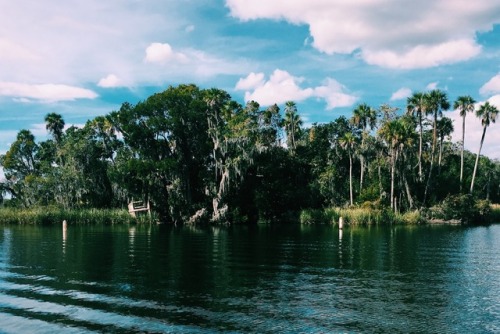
(341, 223)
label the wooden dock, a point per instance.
(138, 206)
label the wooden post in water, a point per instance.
(341, 223)
(65, 234)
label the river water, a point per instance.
(261, 279)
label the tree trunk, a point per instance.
(408, 194)
(427, 185)
(350, 179)
(381, 189)
(462, 154)
(440, 155)
(420, 175)
(393, 169)
(477, 160)
(362, 163)
(488, 187)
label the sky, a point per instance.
(83, 59)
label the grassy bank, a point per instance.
(454, 211)
(359, 216)
(47, 216)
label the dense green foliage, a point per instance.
(197, 156)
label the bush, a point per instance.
(495, 213)
(466, 209)
(319, 216)
(314, 216)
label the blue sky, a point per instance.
(84, 58)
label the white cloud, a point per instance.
(388, 33)
(45, 92)
(423, 56)
(252, 81)
(109, 81)
(474, 131)
(492, 86)
(163, 53)
(334, 94)
(282, 87)
(401, 94)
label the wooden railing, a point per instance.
(138, 206)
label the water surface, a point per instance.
(262, 279)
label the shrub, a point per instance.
(495, 213)
(466, 209)
(313, 216)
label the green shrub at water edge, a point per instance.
(495, 213)
(464, 208)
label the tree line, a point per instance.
(197, 154)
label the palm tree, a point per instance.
(365, 118)
(54, 123)
(464, 104)
(398, 134)
(416, 105)
(292, 124)
(348, 142)
(445, 128)
(436, 101)
(488, 113)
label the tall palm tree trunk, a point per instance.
(477, 160)
(420, 174)
(462, 154)
(362, 163)
(440, 155)
(427, 185)
(350, 179)
(393, 172)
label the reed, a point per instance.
(360, 216)
(52, 215)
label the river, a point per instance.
(260, 279)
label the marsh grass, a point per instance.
(52, 215)
(359, 216)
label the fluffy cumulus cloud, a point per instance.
(492, 86)
(401, 94)
(163, 53)
(335, 95)
(282, 87)
(109, 81)
(44, 92)
(474, 130)
(252, 81)
(402, 34)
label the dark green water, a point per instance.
(281, 279)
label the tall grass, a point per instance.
(51, 215)
(359, 216)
